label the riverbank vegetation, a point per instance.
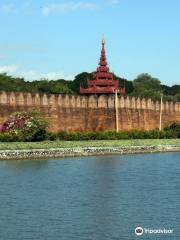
(143, 85)
(172, 131)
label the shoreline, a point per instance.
(54, 153)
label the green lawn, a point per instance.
(100, 143)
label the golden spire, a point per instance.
(103, 39)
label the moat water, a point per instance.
(93, 198)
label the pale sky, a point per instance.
(59, 39)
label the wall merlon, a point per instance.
(133, 103)
(102, 101)
(177, 107)
(82, 101)
(92, 101)
(110, 101)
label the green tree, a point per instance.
(147, 86)
(80, 79)
(143, 86)
(125, 83)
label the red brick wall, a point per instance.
(81, 113)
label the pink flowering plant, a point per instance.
(24, 126)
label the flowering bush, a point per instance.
(23, 126)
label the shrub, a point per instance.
(9, 137)
(51, 136)
(137, 134)
(62, 135)
(23, 126)
(174, 129)
(112, 135)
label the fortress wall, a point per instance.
(92, 113)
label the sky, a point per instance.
(60, 39)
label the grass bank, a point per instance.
(95, 143)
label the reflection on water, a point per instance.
(90, 198)
(25, 164)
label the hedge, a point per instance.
(172, 131)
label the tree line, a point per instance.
(143, 85)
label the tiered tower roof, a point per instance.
(103, 81)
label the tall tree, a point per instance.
(147, 86)
(80, 79)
